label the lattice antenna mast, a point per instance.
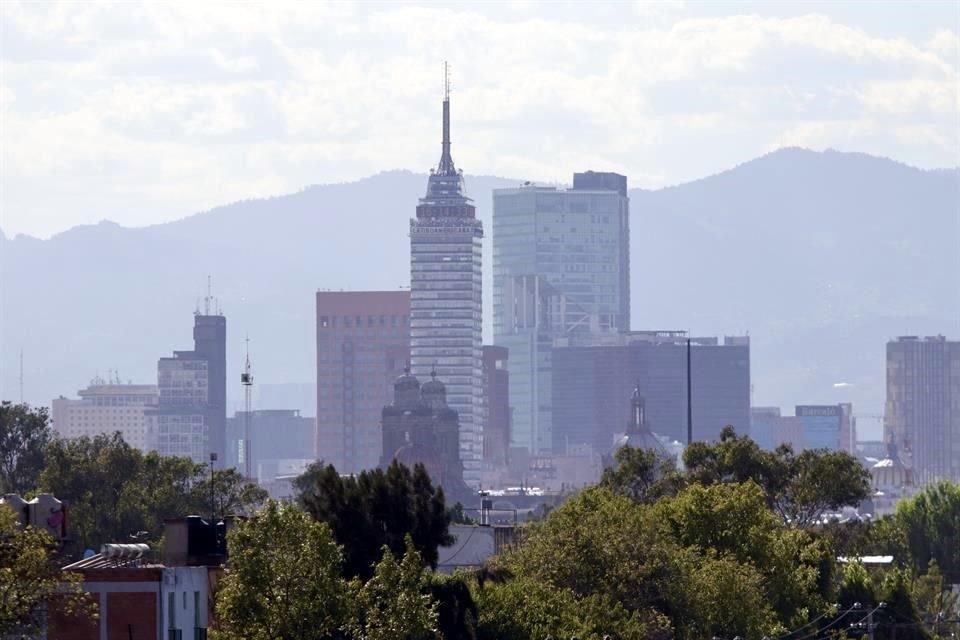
(246, 379)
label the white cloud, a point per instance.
(155, 111)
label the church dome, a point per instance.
(406, 381)
(434, 386)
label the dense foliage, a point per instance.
(801, 489)
(24, 434)
(29, 575)
(284, 581)
(117, 493)
(377, 509)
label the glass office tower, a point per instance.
(561, 267)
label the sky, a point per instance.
(142, 113)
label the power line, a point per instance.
(839, 618)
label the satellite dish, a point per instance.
(89, 553)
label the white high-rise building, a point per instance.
(445, 306)
(104, 408)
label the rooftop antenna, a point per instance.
(208, 299)
(246, 379)
(446, 80)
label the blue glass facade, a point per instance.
(561, 267)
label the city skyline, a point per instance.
(498, 404)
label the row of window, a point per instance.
(360, 321)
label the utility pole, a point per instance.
(213, 490)
(689, 397)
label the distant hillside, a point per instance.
(820, 256)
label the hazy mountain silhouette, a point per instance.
(821, 256)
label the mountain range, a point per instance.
(820, 256)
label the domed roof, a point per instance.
(643, 440)
(406, 380)
(434, 386)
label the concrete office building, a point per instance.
(592, 376)
(923, 405)
(104, 408)
(190, 418)
(276, 436)
(445, 299)
(769, 429)
(561, 267)
(828, 426)
(362, 347)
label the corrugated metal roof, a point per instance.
(101, 561)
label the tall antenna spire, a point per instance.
(446, 81)
(21, 375)
(446, 167)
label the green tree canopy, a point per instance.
(29, 576)
(115, 492)
(375, 509)
(24, 435)
(282, 580)
(395, 603)
(711, 560)
(931, 525)
(641, 474)
(800, 488)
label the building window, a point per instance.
(324, 321)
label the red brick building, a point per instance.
(127, 595)
(363, 345)
(138, 598)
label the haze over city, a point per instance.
(479, 321)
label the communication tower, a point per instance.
(246, 379)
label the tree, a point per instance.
(24, 434)
(282, 580)
(931, 525)
(232, 494)
(821, 481)
(457, 611)
(934, 600)
(728, 599)
(376, 509)
(800, 488)
(30, 576)
(526, 609)
(724, 523)
(899, 617)
(641, 474)
(116, 493)
(394, 604)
